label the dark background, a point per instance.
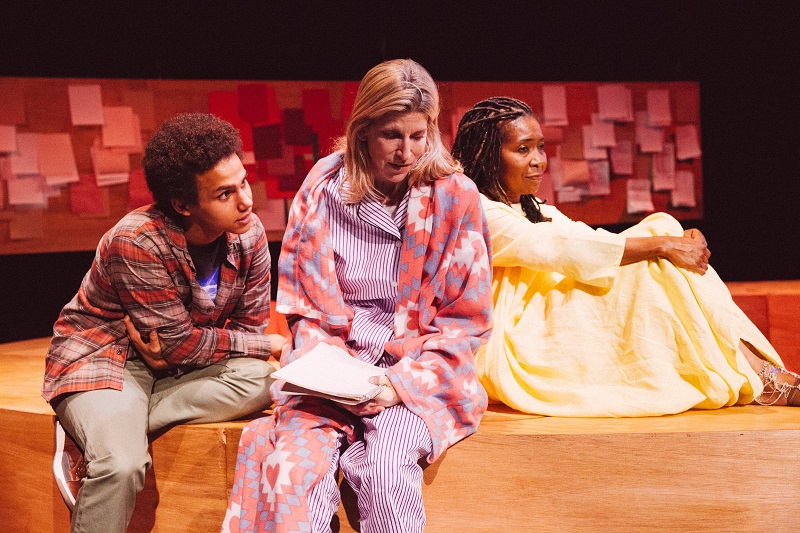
(744, 54)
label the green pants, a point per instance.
(112, 427)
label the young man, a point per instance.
(191, 273)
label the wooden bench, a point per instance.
(732, 469)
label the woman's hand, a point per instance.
(387, 398)
(150, 352)
(689, 252)
(694, 234)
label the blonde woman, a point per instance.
(385, 256)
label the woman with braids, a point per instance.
(385, 257)
(591, 323)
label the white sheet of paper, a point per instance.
(26, 160)
(590, 152)
(118, 127)
(599, 178)
(639, 199)
(622, 158)
(332, 371)
(8, 139)
(612, 102)
(554, 105)
(663, 169)
(687, 142)
(658, 110)
(683, 193)
(27, 191)
(56, 158)
(85, 105)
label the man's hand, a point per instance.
(150, 352)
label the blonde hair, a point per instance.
(399, 85)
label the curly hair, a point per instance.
(184, 147)
(478, 144)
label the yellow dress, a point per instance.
(575, 334)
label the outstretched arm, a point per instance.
(689, 252)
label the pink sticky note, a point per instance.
(687, 142)
(110, 160)
(612, 102)
(602, 135)
(590, 152)
(119, 127)
(554, 105)
(56, 158)
(27, 191)
(639, 199)
(26, 160)
(86, 105)
(622, 158)
(599, 178)
(576, 173)
(664, 169)
(658, 110)
(8, 139)
(683, 193)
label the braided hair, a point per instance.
(478, 144)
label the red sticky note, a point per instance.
(267, 142)
(225, 105)
(86, 198)
(317, 107)
(349, 98)
(328, 135)
(296, 132)
(258, 103)
(293, 182)
(138, 193)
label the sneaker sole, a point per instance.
(58, 468)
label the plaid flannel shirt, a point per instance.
(142, 268)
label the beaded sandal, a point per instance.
(774, 389)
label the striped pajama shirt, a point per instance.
(408, 291)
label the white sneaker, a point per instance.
(69, 466)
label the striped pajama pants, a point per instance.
(382, 467)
